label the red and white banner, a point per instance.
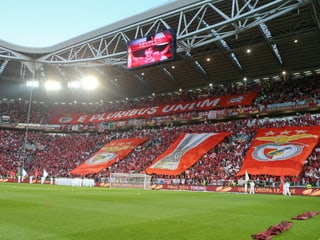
(107, 155)
(161, 110)
(184, 152)
(280, 151)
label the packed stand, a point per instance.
(60, 153)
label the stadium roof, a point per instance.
(212, 39)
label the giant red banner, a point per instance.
(184, 152)
(107, 155)
(280, 151)
(161, 110)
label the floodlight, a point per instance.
(52, 85)
(74, 84)
(89, 83)
(32, 83)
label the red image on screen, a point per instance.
(151, 49)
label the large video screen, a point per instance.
(151, 49)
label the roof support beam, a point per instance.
(109, 48)
(3, 65)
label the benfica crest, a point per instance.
(283, 147)
(101, 158)
(274, 152)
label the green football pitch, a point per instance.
(62, 212)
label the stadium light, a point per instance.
(74, 84)
(52, 85)
(32, 83)
(89, 83)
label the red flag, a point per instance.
(107, 155)
(184, 152)
(280, 151)
(202, 104)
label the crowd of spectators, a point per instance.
(269, 92)
(60, 152)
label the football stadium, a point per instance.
(197, 119)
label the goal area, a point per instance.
(130, 180)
